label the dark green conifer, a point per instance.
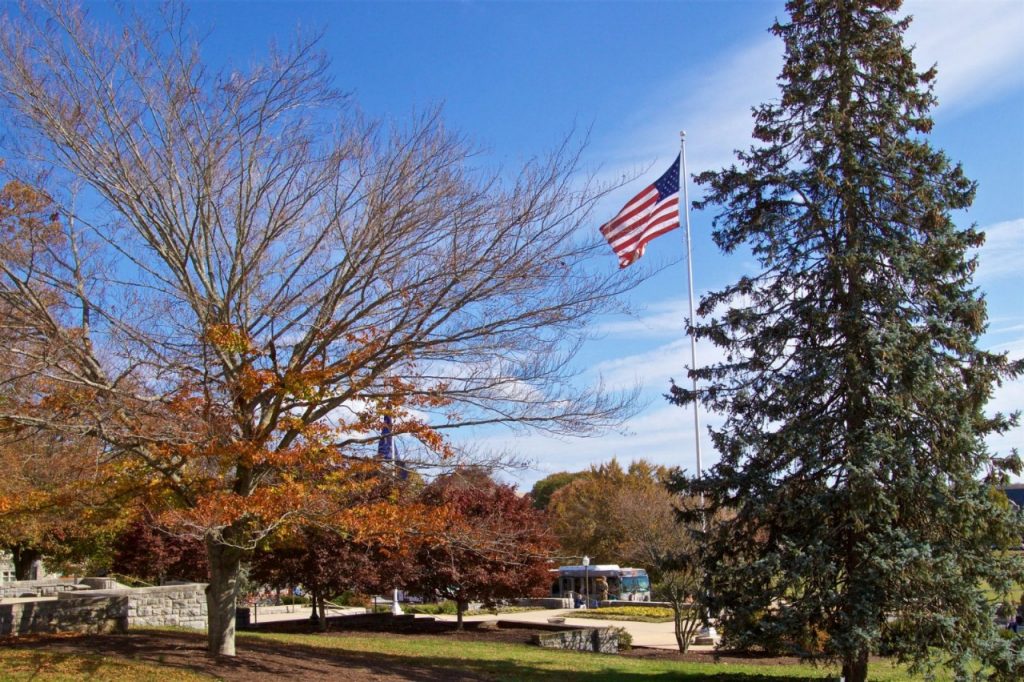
(852, 455)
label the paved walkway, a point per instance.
(269, 614)
(653, 635)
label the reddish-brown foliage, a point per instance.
(153, 554)
(494, 544)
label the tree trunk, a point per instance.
(677, 620)
(460, 608)
(686, 620)
(855, 668)
(23, 557)
(221, 597)
(321, 603)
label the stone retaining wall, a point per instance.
(67, 613)
(546, 602)
(181, 605)
(176, 605)
(600, 640)
(41, 588)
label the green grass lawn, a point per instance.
(430, 655)
(515, 662)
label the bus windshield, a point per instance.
(637, 583)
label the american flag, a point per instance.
(649, 214)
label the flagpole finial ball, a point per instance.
(682, 134)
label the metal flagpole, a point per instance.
(707, 635)
(689, 272)
(392, 449)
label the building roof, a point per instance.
(1015, 491)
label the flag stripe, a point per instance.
(643, 201)
(667, 211)
(668, 205)
(637, 241)
(640, 243)
(634, 225)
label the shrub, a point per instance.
(448, 608)
(643, 611)
(353, 599)
(625, 638)
(498, 610)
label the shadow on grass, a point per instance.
(515, 662)
(263, 658)
(39, 664)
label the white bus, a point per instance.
(601, 582)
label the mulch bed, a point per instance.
(260, 660)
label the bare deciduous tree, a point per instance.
(252, 274)
(658, 540)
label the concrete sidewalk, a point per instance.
(651, 635)
(273, 614)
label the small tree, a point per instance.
(580, 512)
(682, 578)
(656, 539)
(546, 487)
(326, 564)
(493, 544)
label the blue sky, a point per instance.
(516, 77)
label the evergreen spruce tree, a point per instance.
(866, 515)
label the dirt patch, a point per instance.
(258, 661)
(262, 660)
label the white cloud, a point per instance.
(647, 368)
(1006, 336)
(1014, 347)
(1003, 251)
(663, 435)
(653, 368)
(1007, 399)
(660, 318)
(976, 45)
(711, 102)
(998, 327)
